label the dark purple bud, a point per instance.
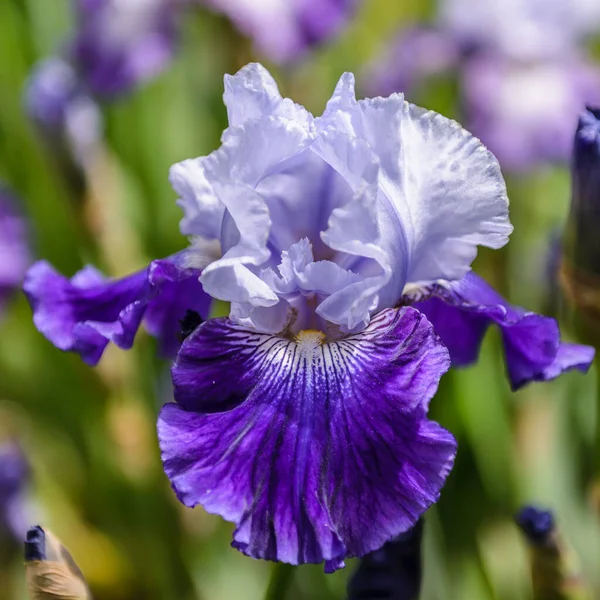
(393, 572)
(580, 272)
(535, 523)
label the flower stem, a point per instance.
(282, 576)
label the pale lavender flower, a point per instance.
(15, 255)
(415, 55)
(523, 30)
(346, 243)
(523, 79)
(283, 30)
(62, 109)
(526, 112)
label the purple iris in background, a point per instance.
(523, 76)
(15, 256)
(118, 44)
(121, 43)
(14, 475)
(345, 250)
(284, 30)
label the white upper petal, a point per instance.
(252, 93)
(386, 193)
(444, 185)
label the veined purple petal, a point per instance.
(83, 314)
(461, 313)
(317, 451)
(14, 250)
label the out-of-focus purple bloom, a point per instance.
(14, 475)
(523, 30)
(307, 407)
(523, 79)
(415, 55)
(527, 112)
(15, 256)
(83, 314)
(121, 43)
(62, 109)
(283, 30)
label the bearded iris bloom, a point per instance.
(345, 250)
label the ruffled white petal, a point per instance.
(444, 185)
(252, 93)
(202, 210)
(251, 152)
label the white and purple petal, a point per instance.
(461, 313)
(317, 451)
(83, 314)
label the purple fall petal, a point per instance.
(83, 314)
(461, 312)
(317, 451)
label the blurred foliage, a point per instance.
(90, 434)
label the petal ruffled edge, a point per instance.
(462, 311)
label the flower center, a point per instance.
(310, 339)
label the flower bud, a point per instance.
(393, 571)
(52, 574)
(555, 570)
(580, 271)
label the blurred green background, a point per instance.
(90, 433)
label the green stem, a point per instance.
(282, 576)
(597, 440)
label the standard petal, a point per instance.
(202, 210)
(317, 451)
(88, 311)
(461, 313)
(252, 93)
(249, 154)
(444, 185)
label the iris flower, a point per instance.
(345, 250)
(283, 30)
(15, 254)
(121, 43)
(523, 71)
